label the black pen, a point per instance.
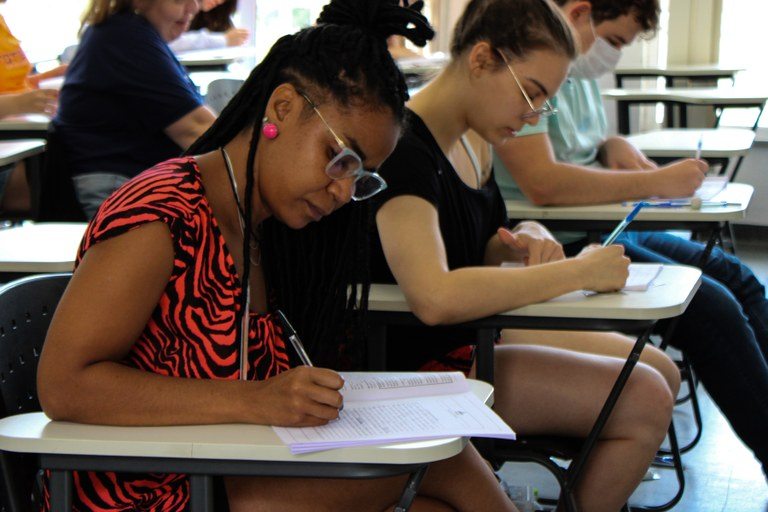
(293, 338)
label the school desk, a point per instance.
(40, 248)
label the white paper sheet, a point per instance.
(417, 406)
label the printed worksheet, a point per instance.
(397, 407)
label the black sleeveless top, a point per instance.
(468, 219)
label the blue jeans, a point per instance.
(724, 331)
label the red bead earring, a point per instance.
(269, 130)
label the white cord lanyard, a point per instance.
(246, 324)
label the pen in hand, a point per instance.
(290, 332)
(623, 224)
(298, 346)
(698, 147)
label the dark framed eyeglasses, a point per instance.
(348, 164)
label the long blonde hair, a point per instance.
(99, 11)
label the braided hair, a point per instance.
(309, 273)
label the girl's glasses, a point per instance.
(545, 110)
(347, 164)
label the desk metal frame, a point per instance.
(202, 471)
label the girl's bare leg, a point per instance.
(17, 197)
(462, 483)
(601, 343)
(548, 391)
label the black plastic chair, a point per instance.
(26, 308)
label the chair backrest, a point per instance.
(26, 308)
(220, 92)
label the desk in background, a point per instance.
(217, 59)
(717, 98)
(40, 248)
(29, 126)
(206, 450)
(719, 146)
(18, 150)
(30, 151)
(597, 219)
(693, 72)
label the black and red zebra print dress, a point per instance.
(192, 332)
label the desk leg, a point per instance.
(201, 493)
(484, 354)
(411, 489)
(708, 248)
(574, 470)
(622, 108)
(669, 113)
(61, 490)
(377, 346)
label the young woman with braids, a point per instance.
(442, 230)
(149, 329)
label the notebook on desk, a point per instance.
(398, 407)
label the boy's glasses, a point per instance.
(348, 164)
(545, 110)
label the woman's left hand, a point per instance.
(531, 243)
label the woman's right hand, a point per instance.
(304, 396)
(38, 101)
(680, 178)
(604, 269)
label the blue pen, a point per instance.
(623, 224)
(698, 147)
(685, 204)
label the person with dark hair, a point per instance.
(442, 236)
(570, 160)
(212, 27)
(127, 103)
(169, 316)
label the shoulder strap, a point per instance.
(473, 158)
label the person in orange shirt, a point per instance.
(19, 94)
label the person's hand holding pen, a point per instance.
(678, 179)
(603, 268)
(300, 397)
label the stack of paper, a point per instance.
(398, 407)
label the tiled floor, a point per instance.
(721, 474)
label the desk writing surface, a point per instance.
(36, 433)
(27, 122)
(740, 193)
(680, 70)
(683, 142)
(668, 296)
(215, 56)
(44, 247)
(17, 150)
(690, 95)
